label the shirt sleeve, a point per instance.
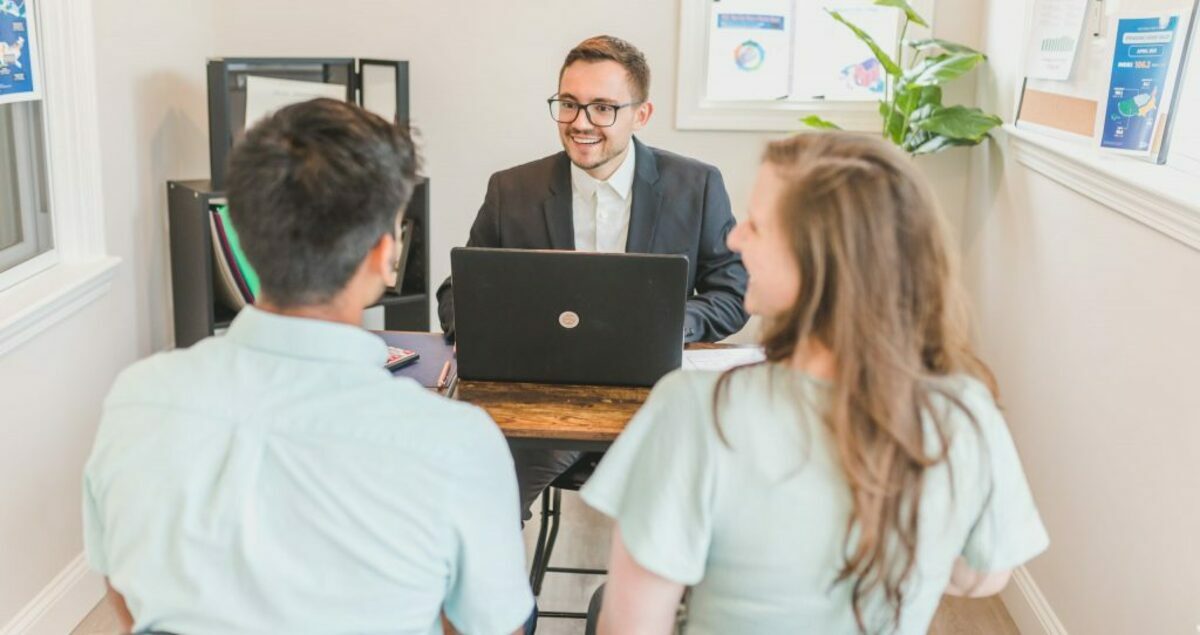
(1008, 531)
(489, 589)
(93, 530)
(658, 482)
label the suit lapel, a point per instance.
(647, 195)
(557, 208)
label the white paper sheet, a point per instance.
(721, 358)
(265, 95)
(842, 67)
(1054, 38)
(749, 50)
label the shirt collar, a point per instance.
(305, 338)
(621, 180)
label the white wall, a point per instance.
(150, 69)
(1090, 321)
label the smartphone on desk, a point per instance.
(400, 357)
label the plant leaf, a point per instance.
(894, 127)
(937, 143)
(933, 44)
(942, 68)
(884, 59)
(912, 97)
(960, 123)
(912, 14)
(815, 121)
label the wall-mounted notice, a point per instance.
(19, 79)
(832, 64)
(265, 95)
(1142, 77)
(749, 50)
(1054, 37)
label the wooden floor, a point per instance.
(955, 617)
(583, 542)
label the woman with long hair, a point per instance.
(862, 470)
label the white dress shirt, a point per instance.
(600, 209)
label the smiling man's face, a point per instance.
(600, 150)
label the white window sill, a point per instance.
(36, 304)
(1159, 196)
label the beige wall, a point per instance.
(153, 127)
(1090, 322)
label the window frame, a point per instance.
(77, 270)
(33, 193)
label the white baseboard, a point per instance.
(62, 605)
(1029, 608)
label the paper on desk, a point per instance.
(721, 358)
(265, 95)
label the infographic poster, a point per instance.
(749, 50)
(1141, 76)
(18, 72)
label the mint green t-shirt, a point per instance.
(277, 479)
(756, 524)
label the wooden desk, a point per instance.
(558, 416)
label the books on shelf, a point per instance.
(237, 283)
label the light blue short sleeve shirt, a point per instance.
(278, 480)
(753, 518)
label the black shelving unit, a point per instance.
(385, 83)
(198, 309)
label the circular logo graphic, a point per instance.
(749, 55)
(568, 319)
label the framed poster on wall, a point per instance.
(19, 75)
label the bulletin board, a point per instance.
(1079, 107)
(767, 64)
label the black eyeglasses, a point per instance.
(599, 114)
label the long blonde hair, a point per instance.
(878, 289)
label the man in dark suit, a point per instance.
(609, 192)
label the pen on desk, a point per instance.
(441, 382)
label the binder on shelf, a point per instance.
(239, 255)
(229, 288)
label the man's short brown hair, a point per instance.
(607, 47)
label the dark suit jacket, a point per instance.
(680, 206)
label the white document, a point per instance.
(1054, 38)
(749, 50)
(832, 63)
(721, 358)
(265, 95)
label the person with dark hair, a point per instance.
(860, 472)
(609, 192)
(277, 479)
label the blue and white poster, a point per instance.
(749, 50)
(1138, 88)
(18, 68)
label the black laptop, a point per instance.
(568, 317)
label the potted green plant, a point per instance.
(914, 117)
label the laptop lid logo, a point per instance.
(568, 319)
